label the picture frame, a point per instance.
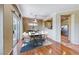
(48, 24)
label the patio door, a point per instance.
(1, 29)
(16, 32)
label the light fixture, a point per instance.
(35, 20)
(33, 24)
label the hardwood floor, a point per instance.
(44, 50)
(64, 39)
(53, 49)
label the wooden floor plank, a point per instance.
(53, 49)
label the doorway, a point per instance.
(65, 28)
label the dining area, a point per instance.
(33, 39)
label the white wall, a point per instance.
(55, 33)
(58, 28)
(75, 28)
(1, 29)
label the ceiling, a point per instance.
(44, 10)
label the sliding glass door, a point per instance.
(16, 32)
(1, 29)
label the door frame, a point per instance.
(69, 26)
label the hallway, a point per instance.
(39, 29)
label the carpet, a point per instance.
(31, 45)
